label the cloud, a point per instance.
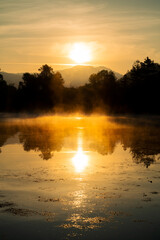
(30, 30)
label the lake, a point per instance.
(80, 178)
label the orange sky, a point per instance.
(35, 32)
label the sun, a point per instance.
(80, 53)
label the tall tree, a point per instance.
(41, 91)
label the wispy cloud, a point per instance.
(30, 30)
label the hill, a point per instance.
(12, 78)
(74, 76)
(79, 75)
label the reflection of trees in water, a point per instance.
(143, 141)
(144, 144)
(41, 139)
(147, 161)
(45, 138)
(6, 131)
(104, 142)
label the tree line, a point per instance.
(136, 92)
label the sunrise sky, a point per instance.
(116, 32)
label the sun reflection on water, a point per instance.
(80, 160)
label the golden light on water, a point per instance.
(80, 160)
(80, 53)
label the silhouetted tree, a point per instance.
(7, 96)
(41, 91)
(71, 99)
(101, 90)
(136, 92)
(1, 77)
(139, 88)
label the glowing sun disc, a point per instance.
(80, 53)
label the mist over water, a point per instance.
(79, 177)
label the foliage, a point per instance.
(41, 91)
(136, 92)
(139, 88)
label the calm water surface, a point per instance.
(80, 178)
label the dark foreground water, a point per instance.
(80, 178)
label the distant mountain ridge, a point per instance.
(12, 78)
(74, 77)
(79, 75)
